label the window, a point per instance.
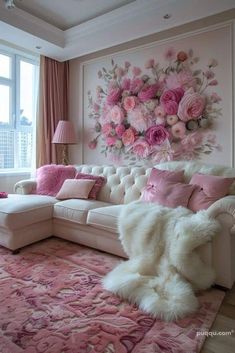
(18, 95)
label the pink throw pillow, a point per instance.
(50, 178)
(75, 189)
(211, 188)
(157, 175)
(169, 193)
(99, 182)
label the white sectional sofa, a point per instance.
(26, 218)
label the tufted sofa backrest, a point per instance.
(124, 184)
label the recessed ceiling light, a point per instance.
(167, 16)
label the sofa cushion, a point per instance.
(105, 217)
(99, 181)
(169, 193)
(76, 210)
(75, 189)
(18, 211)
(210, 189)
(156, 176)
(50, 178)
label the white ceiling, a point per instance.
(65, 14)
(64, 29)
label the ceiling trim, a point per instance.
(128, 22)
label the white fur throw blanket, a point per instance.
(164, 268)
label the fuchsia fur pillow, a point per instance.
(211, 188)
(169, 193)
(99, 182)
(50, 178)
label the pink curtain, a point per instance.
(52, 107)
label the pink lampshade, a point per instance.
(64, 133)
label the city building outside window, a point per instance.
(18, 99)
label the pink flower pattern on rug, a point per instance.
(52, 301)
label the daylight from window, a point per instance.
(18, 94)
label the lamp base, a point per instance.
(65, 160)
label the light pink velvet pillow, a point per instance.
(155, 178)
(157, 175)
(169, 194)
(75, 189)
(99, 182)
(211, 188)
(50, 178)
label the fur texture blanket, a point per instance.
(164, 268)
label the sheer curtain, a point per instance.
(52, 107)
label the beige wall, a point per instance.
(76, 91)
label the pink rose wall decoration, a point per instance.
(157, 112)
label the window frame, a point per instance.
(14, 83)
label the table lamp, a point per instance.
(64, 135)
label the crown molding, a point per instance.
(131, 21)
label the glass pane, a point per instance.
(24, 148)
(27, 93)
(5, 66)
(6, 148)
(4, 105)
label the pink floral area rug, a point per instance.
(51, 301)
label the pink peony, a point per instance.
(92, 144)
(171, 107)
(182, 56)
(156, 135)
(96, 107)
(128, 137)
(136, 85)
(127, 64)
(120, 129)
(110, 140)
(191, 106)
(126, 83)
(183, 79)
(129, 103)
(213, 83)
(160, 120)
(113, 96)
(119, 72)
(172, 95)
(106, 129)
(170, 99)
(215, 98)
(117, 115)
(148, 92)
(149, 64)
(192, 140)
(136, 71)
(159, 111)
(139, 119)
(178, 130)
(169, 54)
(141, 148)
(209, 74)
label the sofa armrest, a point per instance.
(25, 187)
(224, 205)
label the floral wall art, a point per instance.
(165, 105)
